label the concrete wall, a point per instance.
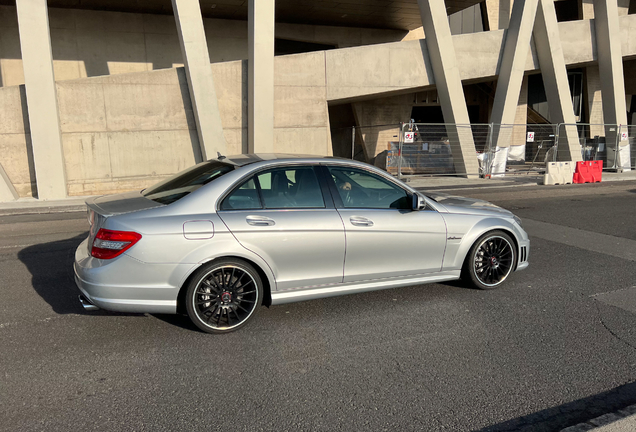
(404, 66)
(124, 132)
(89, 43)
(377, 120)
(15, 141)
(466, 21)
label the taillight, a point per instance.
(110, 244)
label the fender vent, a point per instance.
(524, 254)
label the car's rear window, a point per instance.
(185, 182)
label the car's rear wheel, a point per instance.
(490, 260)
(224, 295)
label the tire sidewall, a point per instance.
(208, 268)
(469, 267)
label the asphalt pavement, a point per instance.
(555, 348)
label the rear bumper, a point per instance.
(113, 299)
(125, 284)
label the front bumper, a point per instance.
(125, 284)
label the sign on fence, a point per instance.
(409, 137)
(530, 137)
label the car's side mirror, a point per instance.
(418, 202)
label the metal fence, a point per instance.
(418, 149)
(610, 143)
(631, 143)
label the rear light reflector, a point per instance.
(110, 244)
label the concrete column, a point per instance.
(594, 101)
(498, 13)
(260, 87)
(610, 64)
(448, 82)
(41, 95)
(592, 81)
(555, 79)
(587, 8)
(511, 70)
(196, 58)
(513, 62)
(7, 191)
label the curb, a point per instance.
(41, 210)
(604, 420)
(28, 206)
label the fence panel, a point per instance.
(520, 148)
(419, 149)
(428, 149)
(595, 143)
(610, 143)
(627, 154)
(373, 144)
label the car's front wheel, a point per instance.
(490, 260)
(223, 295)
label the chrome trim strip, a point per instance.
(341, 289)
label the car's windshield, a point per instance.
(185, 182)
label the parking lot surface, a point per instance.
(554, 348)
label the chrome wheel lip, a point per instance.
(195, 308)
(499, 261)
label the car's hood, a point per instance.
(110, 205)
(461, 205)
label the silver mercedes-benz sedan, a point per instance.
(220, 239)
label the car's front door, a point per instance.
(287, 217)
(385, 237)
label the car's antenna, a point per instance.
(220, 156)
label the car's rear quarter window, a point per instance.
(186, 182)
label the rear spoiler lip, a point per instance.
(148, 204)
(90, 203)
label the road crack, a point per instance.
(609, 330)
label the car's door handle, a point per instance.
(259, 221)
(360, 221)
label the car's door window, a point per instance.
(245, 197)
(291, 187)
(361, 189)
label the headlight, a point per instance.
(518, 220)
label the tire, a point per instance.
(224, 295)
(490, 261)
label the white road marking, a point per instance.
(16, 246)
(602, 243)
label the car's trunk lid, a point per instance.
(111, 205)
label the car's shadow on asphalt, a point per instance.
(460, 284)
(178, 320)
(51, 268)
(52, 278)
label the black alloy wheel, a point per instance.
(224, 295)
(491, 260)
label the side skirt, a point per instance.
(357, 287)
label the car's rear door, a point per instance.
(385, 238)
(286, 215)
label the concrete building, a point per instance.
(107, 96)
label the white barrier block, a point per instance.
(558, 173)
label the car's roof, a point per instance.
(247, 159)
